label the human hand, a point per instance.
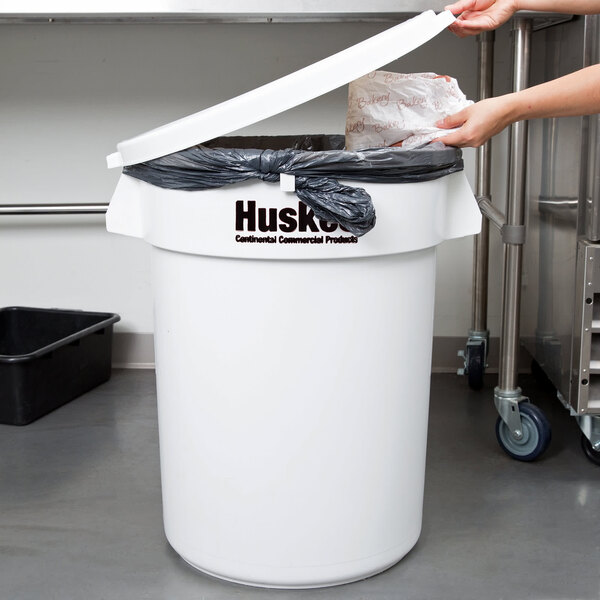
(477, 123)
(480, 15)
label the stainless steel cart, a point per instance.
(554, 183)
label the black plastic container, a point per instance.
(49, 357)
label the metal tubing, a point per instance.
(483, 177)
(513, 255)
(52, 209)
(491, 213)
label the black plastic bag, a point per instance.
(317, 162)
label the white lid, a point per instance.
(284, 93)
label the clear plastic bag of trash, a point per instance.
(386, 108)
(318, 162)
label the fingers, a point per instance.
(453, 121)
(465, 137)
(457, 30)
(478, 122)
(460, 6)
(462, 137)
(469, 23)
(452, 139)
(481, 15)
(473, 23)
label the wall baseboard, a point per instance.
(133, 350)
(136, 351)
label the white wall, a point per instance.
(69, 93)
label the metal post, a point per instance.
(513, 255)
(482, 190)
(475, 354)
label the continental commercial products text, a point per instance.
(287, 220)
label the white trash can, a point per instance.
(293, 370)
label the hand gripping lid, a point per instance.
(284, 93)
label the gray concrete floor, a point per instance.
(80, 509)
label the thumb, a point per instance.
(452, 121)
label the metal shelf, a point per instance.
(210, 11)
(225, 11)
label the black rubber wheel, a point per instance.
(536, 434)
(588, 450)
(475, 365)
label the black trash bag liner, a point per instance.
(317, 162)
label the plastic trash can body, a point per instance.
(293, 377)
(292, 358)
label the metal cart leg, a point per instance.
(475, 354)
(522, 429)
(515, 220)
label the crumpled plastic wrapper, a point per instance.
(387, 109)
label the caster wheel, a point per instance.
(536, 434)
(588, 450)
(475, 367)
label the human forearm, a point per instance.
(574, 94)
(576, 7)
(476, 16)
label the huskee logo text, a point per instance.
(287, 221)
